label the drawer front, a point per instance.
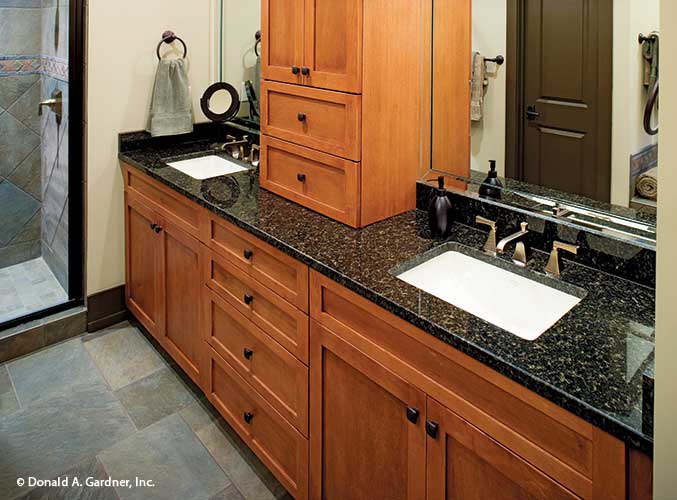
(319, 119)
(274, 315)
(281, 447)
(183, 212)
(319, 181)
(284, 275)
(278, 376)
(536, 429)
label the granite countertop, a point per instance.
(590, 363)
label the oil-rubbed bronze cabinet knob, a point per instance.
(413, 414)
(305, 71)
(248, 417)
(301, 177)
(248, 299)
(248, 353)
(295, 70)
(248, 254)
(301, 117)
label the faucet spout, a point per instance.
(524, 230)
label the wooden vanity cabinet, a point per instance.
(163, 273)
(357, 105)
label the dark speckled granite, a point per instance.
(590, 362)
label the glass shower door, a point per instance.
(34, 157)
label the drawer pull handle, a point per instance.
(432, 429)
(301, 177)
(248, 299)
(301, 117)
(412, 415)
(248, 417)
(295, 70)
(248, 254)
(248, 353)
(305, 71)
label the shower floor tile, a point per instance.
(27, 288)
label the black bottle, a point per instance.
(491, 187)
(439, 212)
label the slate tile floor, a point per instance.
(28, 287)
(111, 404)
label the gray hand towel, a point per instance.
(171, 108)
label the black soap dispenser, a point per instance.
(439, 212)
(491, 187)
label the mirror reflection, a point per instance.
(240, 61)
(563, 98)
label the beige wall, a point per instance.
(666, 334)
(123, 36)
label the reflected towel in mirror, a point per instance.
(478, 84)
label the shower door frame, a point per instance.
(76, 167)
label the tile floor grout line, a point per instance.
(11, 381)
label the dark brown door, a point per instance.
(144, 283)
(367, 434)
(466, 464)
(564, 70)
(181, 282)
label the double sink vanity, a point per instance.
(331, 350)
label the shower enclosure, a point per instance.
(41, 167)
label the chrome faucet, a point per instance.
(521, 255)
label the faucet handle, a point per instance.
(490, 245)
(554, 265)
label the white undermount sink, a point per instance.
(512, 302)
(207, 167)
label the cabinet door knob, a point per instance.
(301, 117)
(413, 414)
(295, 70)
(305, 71)
(248, 417)
(248, 353)
(248, 254)
(157, 229)
(432, 429)
(248, 299)
(153, 226)
(301, 177)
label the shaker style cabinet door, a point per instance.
(333, 45)
(182, 285)
(367, 436)
(466, 464)
(143, 291)
(282, 42)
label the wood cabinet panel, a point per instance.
(281, 447)
(321, 182)
(333, 44)
(363, 445)
(318, 119)
(564, 446)
(181, 281)
(282, 24)
(278, 376)
(143, 291)
(282, 274)
(182, 212)
(274, 315)
(464, 463)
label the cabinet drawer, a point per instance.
(278, 376)
(183, 212)
(319, 119)
(279, 272)
(281, 447)
(536, 429)
(319, 181)
(274, 315)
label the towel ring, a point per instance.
(170, 37)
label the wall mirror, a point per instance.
(238, 54)
(562, 96)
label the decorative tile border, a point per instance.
(34, 65)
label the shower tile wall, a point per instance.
(33, 149)
(20, 151)
(54, 76)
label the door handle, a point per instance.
(55, 103)
(532, 114)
